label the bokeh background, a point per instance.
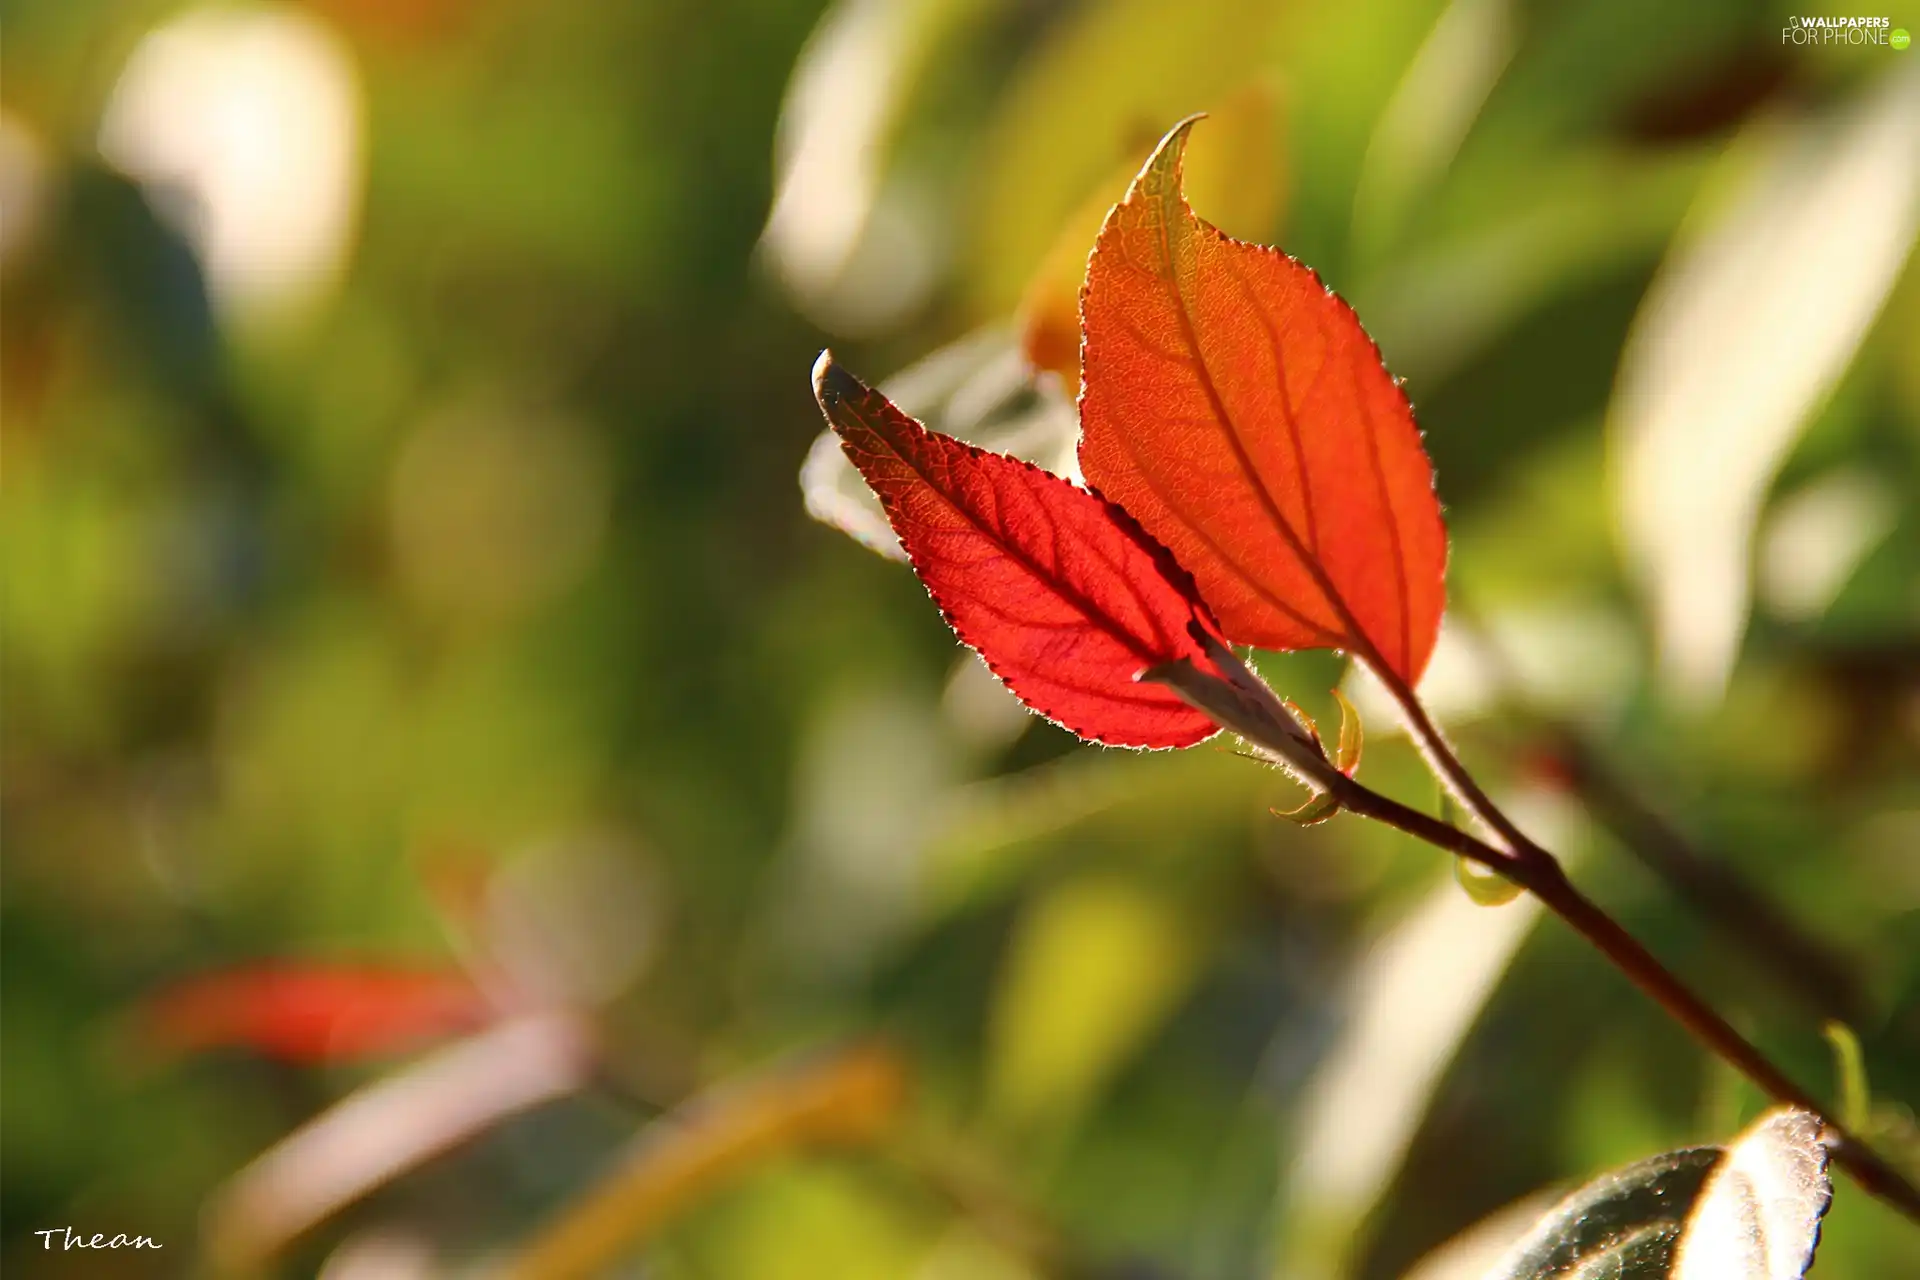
(406, 578)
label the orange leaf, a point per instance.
(1238, 411)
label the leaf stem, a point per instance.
(1540, 873)
(1804, 966)
(1446, 765)
(1818, 974)
(1533, 868)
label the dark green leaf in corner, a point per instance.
(1750, 1211)
(1624, 1226)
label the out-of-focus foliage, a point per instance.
(403, 566)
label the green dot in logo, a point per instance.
(1899, 38)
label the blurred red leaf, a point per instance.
(313, 1014)
(1238, 411)
(1061, 593)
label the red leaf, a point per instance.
(1057, 589)
(1240, 413)
(316, 1014)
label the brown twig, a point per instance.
(1805, 966)
(1540, 872)
(1264, 723)
(1810, 969)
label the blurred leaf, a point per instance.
(316, 1013)
(1341, 67)
(839, 238)
(1817, 537)
(1097, 964)
(572, 921)
(1755, 316)
(1525, 233)
(389, 1128)
(1423, 124)
(871, 769)
(1234, 171)
(1471, 1254)
(271, 226)
(1096, 95)
(977, 389)
(152, 288)
(1414, 998)
(847, 1096)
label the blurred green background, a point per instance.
(404, 567)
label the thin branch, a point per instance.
(1447, 767)
(1530, 866)
(1806, 966)
(1540, 872)
(1809, 968)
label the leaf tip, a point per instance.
(1180, 130)
(1160, 175)
(1318, 808)
(832, 384)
